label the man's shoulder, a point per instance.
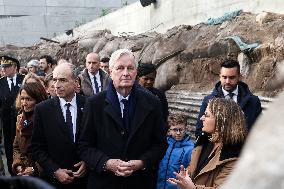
(97, 97)
(42, 105)
(144, 93)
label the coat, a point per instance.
(9, 116)
(22, 150)
(218, 168)
(178, 153)
(249, 103)
(52, 144)
(104, 137)
(86, 84)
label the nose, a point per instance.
(125, 71)
(202, 118)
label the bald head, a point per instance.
(64, 81)
(93, 63)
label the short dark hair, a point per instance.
(230, 63)
(48, 59)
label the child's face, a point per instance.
(177, 131)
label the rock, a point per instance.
(245, 62)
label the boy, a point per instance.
(178, 152)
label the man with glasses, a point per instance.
(9, 88)
(231, 87)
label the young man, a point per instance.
(178, 152)
(230, 86)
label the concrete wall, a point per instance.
(166, 14)
(23, 22)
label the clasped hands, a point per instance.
(123, 168)
(66, 176)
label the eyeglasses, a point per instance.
(206, 114)
(178, 130)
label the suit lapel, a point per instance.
(110, 110)
(141, 111)
(88, 80)
(60, 118)
(80, 106)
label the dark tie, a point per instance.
(125, 114)
(69, 120)
(96, 85)
(12, 86)
(231, 95)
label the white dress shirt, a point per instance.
(73, 110)
(235, 97)
(98, 79)
(10, 82)
(120, 97)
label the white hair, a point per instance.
(117, 54)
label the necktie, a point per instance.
(231, 95)
(69, 120)
(96, 85)
(125, 114)
(12, 85)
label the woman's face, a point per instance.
(209, 124)
(27, 102)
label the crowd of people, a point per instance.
(104, 125)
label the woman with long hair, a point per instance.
(218, 149)
(30, 95)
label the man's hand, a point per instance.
(112, 164)
(82, 169)
(64, 176)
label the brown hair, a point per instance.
(230, 120)
(175, 119)
(35, 90)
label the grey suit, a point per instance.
(86, 84)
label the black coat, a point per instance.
(103, 137)
(8, 115)
(52, 145)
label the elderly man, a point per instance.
(123, 138)
(56, 129)
(9, 88)
(93, 79)
(230, 86)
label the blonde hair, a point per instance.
(230, 120)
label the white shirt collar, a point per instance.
(92, 76)
(120, 97)
(63, 101)
(236, 91)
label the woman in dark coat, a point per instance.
(218, 149)
(30, 95)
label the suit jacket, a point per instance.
(8, 115)
(52, 144)
(104, 137)
(86, 84)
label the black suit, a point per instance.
(52, 144)
(8, 115)
(103, 137)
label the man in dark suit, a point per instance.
(9, 88)
(56, 129)
(123, 136)
(230, 86)
(93, 79)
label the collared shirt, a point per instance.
(236, 92)
(98, 79)
(120, 97)
(73, 110)
(14, 80)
